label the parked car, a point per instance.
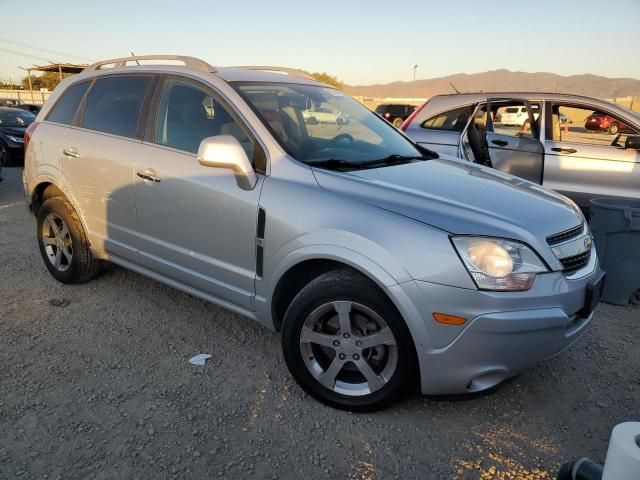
(395, 113)
(382, 265)
(600, 121)
(30, 107)
(9, 102)
(13, 123)
(556, 153)
(323, 115)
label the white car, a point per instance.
(323, 115)
(516, 116)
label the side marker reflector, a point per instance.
(448, 319)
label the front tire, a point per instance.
(397, 122)
(63, 243)
(346, 344)
(6, 159)
(613, 129)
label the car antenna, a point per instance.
(453, 86)
(133, 55)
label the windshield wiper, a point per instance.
(330, 163)
(337, 164)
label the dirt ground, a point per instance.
(95, 384)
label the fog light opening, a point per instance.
(487, 380)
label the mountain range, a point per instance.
(503, 81)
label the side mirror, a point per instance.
(633, 142)
(224, 151)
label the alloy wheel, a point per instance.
(348, 348)
(57, 242)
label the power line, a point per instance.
(25, 54)
(31, 47)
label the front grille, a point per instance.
(566, 235)
(576, 262)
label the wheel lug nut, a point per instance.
(342, 356)
(359, 343)
(356, 356)
(346, 335)
(336, 343)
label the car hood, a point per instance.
(16, 131)
(461, 198)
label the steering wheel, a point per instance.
(338, 138)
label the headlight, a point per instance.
(496, 264)
(15, 139)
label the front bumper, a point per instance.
(505, 332)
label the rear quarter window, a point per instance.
(451, 121)
(114, 104)
(65, 108)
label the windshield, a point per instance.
(17, 118)
(315, 123)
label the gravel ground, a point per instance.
(95, 383)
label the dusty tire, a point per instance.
(614, 128)
(352, 385)
(63, 243)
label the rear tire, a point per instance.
(614, 128)
(397, 122)
(63, 243)
(346, 345)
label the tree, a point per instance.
(328, 79)
(48, 80)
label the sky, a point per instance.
(359, 42)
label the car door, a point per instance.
(583, 163)
(196, 225)
(514, 148)
(441, 131)
(98, 155)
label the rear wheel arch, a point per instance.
(47, 188)
(42, 192)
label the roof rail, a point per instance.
(294, 72)
(190, 62)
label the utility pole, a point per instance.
(413, 84)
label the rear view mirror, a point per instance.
(633, 142)
(224, 151)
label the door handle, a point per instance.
(71, 153)
(149, 175)
(500, 143)
(564, 150)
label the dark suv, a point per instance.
(395, 113)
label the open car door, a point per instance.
(512, 137)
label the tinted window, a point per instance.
(114, 104)
(65, 109)
(188, 113)
(451, 121)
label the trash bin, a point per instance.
(615, 224)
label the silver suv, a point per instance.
(382, 265)
(579, 146)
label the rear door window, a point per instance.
(451, 121)
(65, 108)
(114, 104)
